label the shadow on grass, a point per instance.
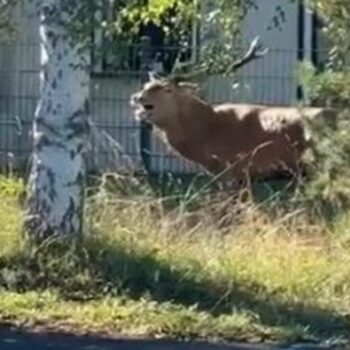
(101, 268)
(144, 274)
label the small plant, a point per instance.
(328, 88)
(327, 184)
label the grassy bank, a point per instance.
(205, 268)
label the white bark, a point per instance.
(56, 185)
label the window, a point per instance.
(116, 53)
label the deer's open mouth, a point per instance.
(143, 112)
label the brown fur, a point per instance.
(235, 139)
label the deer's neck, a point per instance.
(191, 126)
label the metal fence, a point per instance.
(118, 141)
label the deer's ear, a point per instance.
(169, 87)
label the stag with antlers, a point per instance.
(235, 140)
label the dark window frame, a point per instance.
(163, 53)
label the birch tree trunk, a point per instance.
(60, 130)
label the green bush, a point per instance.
(328, 159)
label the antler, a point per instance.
(255, 51)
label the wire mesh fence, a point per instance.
(117, 139)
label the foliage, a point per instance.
(220, 43)
(7, 27)
(121, 20)
(328, 165)
(328, 159)
(221, 23)
(222, 19)
(121, 23)
(327, 88)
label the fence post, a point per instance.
(146, 129)
(301, 43)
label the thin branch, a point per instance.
(256, 50)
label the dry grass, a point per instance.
(208, 267)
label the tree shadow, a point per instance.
(114, 269)
(140, 274)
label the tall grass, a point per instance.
(206, 267)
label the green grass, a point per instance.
(205, 268)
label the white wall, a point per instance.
(269, 80)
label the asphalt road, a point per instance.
(22, 340)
